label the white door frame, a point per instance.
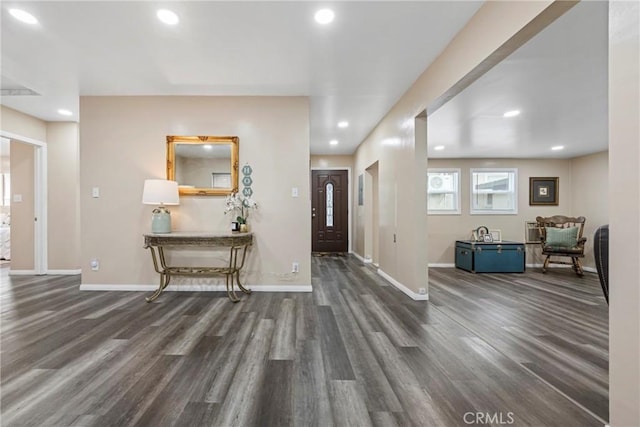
(40, 243)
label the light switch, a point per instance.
(17, 198)
(95, 192)
(294, 192)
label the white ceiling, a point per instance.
(558, 80)
(353, 69)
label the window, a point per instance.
(5, 189)
(329, 205)
(443, 191)
(494, 191)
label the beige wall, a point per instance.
(122, 142)
(324, 161)
(22, 227)
(22, 124)
(63, 196)
(583, 184)
(624, 213)
(444, 230)
(497, 29)
(590, 191)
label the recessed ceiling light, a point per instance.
(343, 124)
(64, 112)
(168, 17)
(324, 16)
(438, 147)
(558, 147)
(511, 113)
(333, 142)
(23, 16)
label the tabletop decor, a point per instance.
(160, 192)
(242, 205)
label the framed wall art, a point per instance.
(543, 191)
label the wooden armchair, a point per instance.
(561, 236)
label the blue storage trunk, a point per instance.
(480, 257)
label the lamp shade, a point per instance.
(160, 192)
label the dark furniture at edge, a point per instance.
(601, 254)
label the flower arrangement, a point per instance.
(235, 203)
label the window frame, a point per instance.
(458, 191)
(514, 192)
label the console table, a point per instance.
(236, 242)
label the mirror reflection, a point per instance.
(203, 165)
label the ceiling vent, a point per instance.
(24, 91)
(9, 87)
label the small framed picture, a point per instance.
(496, 235)
(487, 238)
(543, 191)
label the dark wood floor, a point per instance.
(530, 348)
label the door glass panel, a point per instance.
(329, 197)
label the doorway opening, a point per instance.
(330, 211)
(28, 210)
(371, 220)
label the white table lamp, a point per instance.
(160, 192)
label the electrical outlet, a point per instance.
(295, 267)
(95, 192)
(422, 291)
(95, 264)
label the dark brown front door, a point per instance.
(329, 211)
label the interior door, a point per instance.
(329, 211)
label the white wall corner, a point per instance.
(361, 259)
(414, 296)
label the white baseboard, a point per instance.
(22, 272)
(403, 288)
(49, 272)
(357, 256)
(587, 269)
(190, 288)
(442, 265)
(361, 258)
(64, 272)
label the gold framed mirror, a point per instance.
(203, 165)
